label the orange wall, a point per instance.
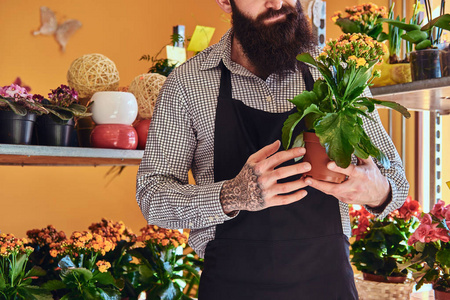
(71, 198)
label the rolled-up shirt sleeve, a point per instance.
(163, 193)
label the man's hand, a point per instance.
(365, 184)
(256, 188)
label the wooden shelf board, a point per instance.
(28, 155)
(424, 95)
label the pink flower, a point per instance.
(426, 219)
(442, 234)
(439, 210)
(422, 233)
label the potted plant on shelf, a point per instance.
(332, 111)
(379, 249)
(424, 61)
(57, 127)
(18, 111)
(431, 241)
(15, 281)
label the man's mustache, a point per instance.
(284, 10)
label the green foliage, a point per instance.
(16, 282)
(83, 283)
(63, 114)
(334, 110)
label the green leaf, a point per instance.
(53, 285)
(383, 37)
(298, 142)
(18, 267)
(104, 278)
(169, 292)
(36, 271)
(348, 26)
(288, 128)
(425, 44)
(415, 36)
(337, 133)
(84, 273)
(398, 107)
(2, 282)
(443, 257)
(440, 22)
(326, 73)
(16, 108)
(66, 263)
(366, 145)
(109, 294)
(91, 293)
(399, 24)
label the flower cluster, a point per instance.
(103, 266)
(361, 19)
(48, 236)
(81, 242)
(63, 96)
(355, 50)
(14, 96)
(433, 226)
(9, 244)
(162, 236)
(380, 246)
(114, 231)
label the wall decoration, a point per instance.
(50, 26)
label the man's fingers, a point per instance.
(264, 152)
(347, 171)
(285, 188)
(326, 187)
(288, 199)
(287, 171)
(281, 157)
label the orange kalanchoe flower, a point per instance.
(48, 236)
(86, 241)
(9, 244)
(103, 265)
(114, 231)
(162, 236)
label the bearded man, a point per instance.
(265, 231)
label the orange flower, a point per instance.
(103, 266)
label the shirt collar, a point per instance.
(221, 51)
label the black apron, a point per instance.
(296, 251)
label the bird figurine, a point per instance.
(62, 32)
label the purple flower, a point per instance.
(63, 96)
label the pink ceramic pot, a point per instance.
(142, 131)
(115, 136)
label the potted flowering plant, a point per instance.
(333, 109)
(83, 274)
(431, 240)
(361, 19)
(379, 250)
(424, 60)
(18, 112)
(15, 281)
(56, 128)
(165, 273)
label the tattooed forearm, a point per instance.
(242, 192)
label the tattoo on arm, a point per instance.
(242, 192)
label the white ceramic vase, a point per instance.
(114, 108)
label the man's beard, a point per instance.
(273, 48)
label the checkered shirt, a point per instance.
(181, 138)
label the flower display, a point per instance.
(381, 247)
(333, 109)
(63, 96)
(15, 278)
(161, 236)
(103, 266)
(431, 242)
(84, 241)
(361, 19)
(114, 231)
(16, 98)
(49, 237)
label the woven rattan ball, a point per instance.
(146, 88)
(92, 73)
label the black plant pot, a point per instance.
(425, 64)
(16, 129)
(54, 132)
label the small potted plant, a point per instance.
(332, 111)
(431, 241)
(18, 111)
(15, 281)
(56, 128)
(425, 62)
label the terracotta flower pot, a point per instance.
(318, 158)
(440, 295)
(380, 278)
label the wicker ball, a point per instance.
(146, 88)
(92, 73)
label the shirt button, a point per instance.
(269, 98)
(211, 219)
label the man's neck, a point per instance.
(238, 56)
